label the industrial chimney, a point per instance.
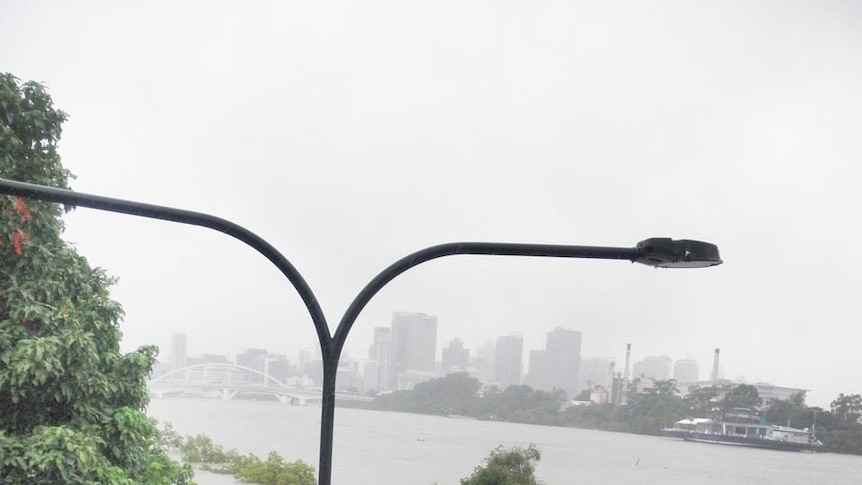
(715, 368)
(625, 386)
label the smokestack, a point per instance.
(715, 368)
(625, 386)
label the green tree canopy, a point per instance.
(72, 404)
(701, 400)
(847, 407)
(515, 466)
(741, 396)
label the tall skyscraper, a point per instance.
(483, 361)
(380, 353)
(178, 351)
(686, 370)
(414, 344)
(455, 357)
(507, 360)
(559, 365)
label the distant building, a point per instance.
(769, 392)
(414, 345)
(178, 351)
(594, 372)
(686, 370)
(617, 389)
(278, 367)
(379, 352)
(538, 372)
(642, 385)
(455, 357)
(253, 359)
(507, 360)
(483, 362)
(654, 367)
(599, 395)
(558, 366)
(371, 376)
(214, 359)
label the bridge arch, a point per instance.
(226, 366)
(229, 381)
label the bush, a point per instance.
(515, 466)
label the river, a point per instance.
(384, 448)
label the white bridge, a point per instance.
(227, 381)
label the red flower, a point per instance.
(22, 209)
(18, 238)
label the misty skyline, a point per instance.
(351, 135)
(700, 372)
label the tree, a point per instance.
(72, 404)
(273, 471)
(515, 466)
(664, 388)
(742, 396)
(454, 394)
(847, 408)
(700, 400)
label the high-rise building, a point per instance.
(654, 367)
(413, 344)
(371, 376)
(686, 370)
(559, 365)
(277, 367)
(455, 357)
(178, 351)
(483, 361)
(253, 359)
(379, 353)
(507, 360)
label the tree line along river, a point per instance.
(388, 448)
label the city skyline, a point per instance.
(587, 372)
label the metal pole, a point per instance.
(331, 346)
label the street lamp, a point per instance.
(656, 252)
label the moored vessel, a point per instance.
(743, 427)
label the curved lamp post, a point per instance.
(656, 252)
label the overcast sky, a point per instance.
(350, 134)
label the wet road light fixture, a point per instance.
(656, 252)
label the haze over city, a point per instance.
(351, 135)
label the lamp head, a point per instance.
(664, 252)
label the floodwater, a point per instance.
(383, 448)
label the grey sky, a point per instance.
(350, 134)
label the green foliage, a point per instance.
(792, 412)
(741, 396)
(169, 439)
(515, 466)
(458, 394)
(72, 404)
(701, 401)
(453, 394)
(274, 470)
(847, 408)
(200, 448)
